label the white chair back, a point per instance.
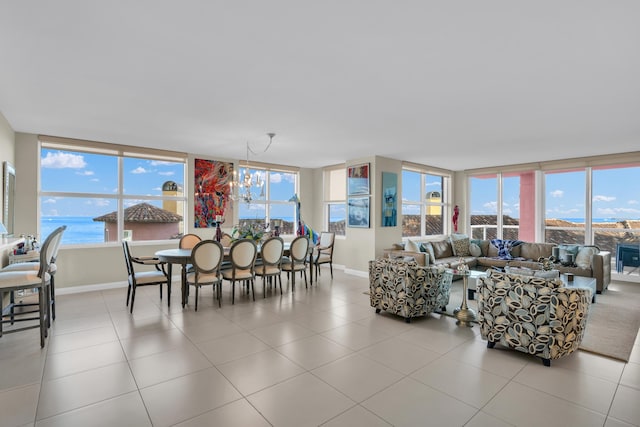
(49, 247)
(272, 250)
(207, 256)
(243, 254)
(299, 249)
(189, 241)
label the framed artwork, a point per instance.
(358, 179)
(212, 198)
(389, 199)
(358, 212)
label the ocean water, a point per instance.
(80, 229)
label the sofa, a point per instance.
(484, 255)
(407, 289)
(533, 315)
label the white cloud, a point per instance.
(633, 202)
(85, 173)
(49, 201)
(161, 163)
(618, 212)
(62, 160)
(557, 193)
(491, 206)
(94, 180)
(170, 173)
(276, 178)
(603, 198)
(139, 170)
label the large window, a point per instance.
(105, 193)
(272, 202)
(582, 201)
(565, 206)
(425, 203)
(335, 195)
(502, 205)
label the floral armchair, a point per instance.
(407, 289)
(530, 314)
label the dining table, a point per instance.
(182, 257)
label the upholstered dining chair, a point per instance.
(323, 253)
(189, 241)
(270, 266)
(53, 268)
(297, 260)
(13, 281)
(158, 276)
(243, 255)
(206, 257)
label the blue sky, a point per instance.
(74, 172)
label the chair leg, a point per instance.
(253, 291)
(133, 297)
(197, 287)
(331, 269)
(43, 323)
(280, 280)
(128, 293)
(52, 288)
(233, 292)
(168, 294)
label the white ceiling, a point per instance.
(454, 84)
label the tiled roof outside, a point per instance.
(142, 212)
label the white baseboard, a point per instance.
(100, 287)
(175, 279)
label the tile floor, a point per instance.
(319, 356)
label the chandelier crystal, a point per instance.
(244, 184)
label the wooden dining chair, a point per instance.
(206, 257)
(243, 255)
(158, 276)
(270, 264)
(323, 253)
(297, 260)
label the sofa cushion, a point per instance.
(569, 249)
(428, 248)
(474, 250)
(534, 251)
(583, 259)
(460, 245)
(411, 246)
(442, 249)
(504, 247)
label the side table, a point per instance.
(464, 314)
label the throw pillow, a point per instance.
(460, 245)
(411, 246)
(504, 247)
(583, 259)
(428, 248)
(442, 249)
(474, 250)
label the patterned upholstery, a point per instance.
(532, 315)
(407, 289)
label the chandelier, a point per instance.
(245, 185)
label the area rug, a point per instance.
(613, 322)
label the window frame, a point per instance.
(120, 153)
(445, 204)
